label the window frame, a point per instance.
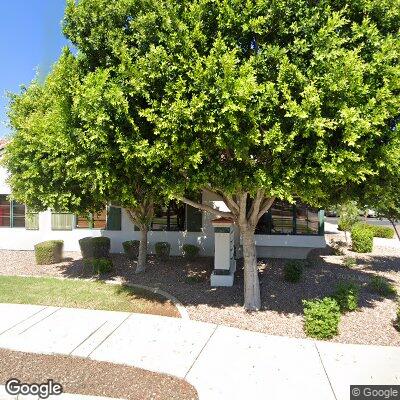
(11, 204)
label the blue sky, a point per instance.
(30, 40)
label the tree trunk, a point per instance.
(142, 258)
(252, 297)
(395, 229)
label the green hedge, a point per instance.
(293, 270)
(397, 320)
(131, 249)
(321, 318)
(362, 238)
(382, 231)
(162, 250)
(378, 231)
(190, 251)
(95, 247)
(49, 252)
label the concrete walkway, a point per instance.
(221, 362)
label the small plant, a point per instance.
(347, 295)
(348, 216)
(362, 238)
(190, 251)
(162, 250)
(131, 249)
(293, 271)
(321, 318)
(49, 252)
(194, 278)
(381, 286)
(98, 265)
(349, 262)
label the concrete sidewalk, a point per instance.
(221, 362)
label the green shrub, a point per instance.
(95, 247)
(362, 238)
(321, 318)
(347, 295)
(49, 252)
(98, 265)
(194, 278)
(381, 286)
(382, 231)
(162, 250)
(293, 270)
(349, 262)
(131, 249)
(190, 251)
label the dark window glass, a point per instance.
(18, 215)
(282, 218)
(169, 218)
(307, 220)
(5, 211)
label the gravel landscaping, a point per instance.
(88, 377)
(282, 312)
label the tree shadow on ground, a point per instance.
(189, 280)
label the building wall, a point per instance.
(288, 246)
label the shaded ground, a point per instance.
(83, 376)
(82, 294)
(282, 312)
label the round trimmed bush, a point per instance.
(131, 249)
(382, 231)
(95, 247)
(49, 252)
(190, 251)
(362, 238)
(163, 250)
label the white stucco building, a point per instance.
(288, 231)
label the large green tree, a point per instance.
(77, 147)
(251, 100)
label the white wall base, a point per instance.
(222, 280)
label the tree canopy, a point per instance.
(253, 100)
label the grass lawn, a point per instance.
(83, 294)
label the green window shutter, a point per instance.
(194, 219)
(32, 221)
(62, 221)
(114, 219)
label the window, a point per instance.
(61, 221)
(169, 218)
(298, 219)
(109, 218)
(5, 211)
(92, 221)
(31, 220)
(12, 213)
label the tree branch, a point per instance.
(266, 205)
(205, 207)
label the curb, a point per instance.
(181, 308)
